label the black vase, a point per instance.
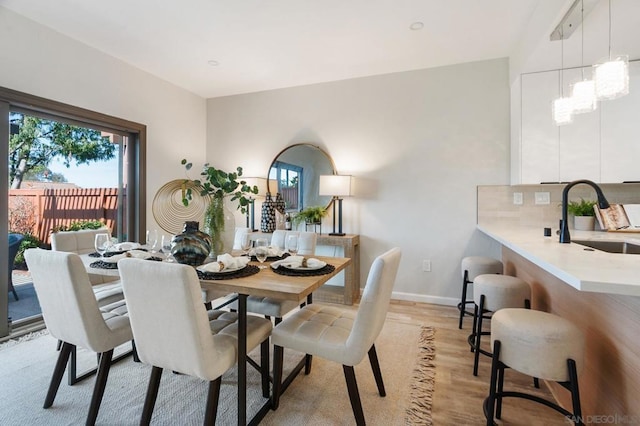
(192, 246)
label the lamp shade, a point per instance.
(612, 78)
(335, 185)
(563, 111)
(583, 97)
(261, 183)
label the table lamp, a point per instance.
(336, 186)
(261, 183)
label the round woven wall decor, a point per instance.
(170, 213)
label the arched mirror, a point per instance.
(295, 173)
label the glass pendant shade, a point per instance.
(583, 96)
(612, 78)
(563, 111)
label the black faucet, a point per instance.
(602, 203)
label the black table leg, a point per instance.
(242, 359)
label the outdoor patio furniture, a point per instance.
(14, 245)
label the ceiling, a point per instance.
(261, 45)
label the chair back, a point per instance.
(307, 243)
(237, 239)
(278, 238)
(374, 303)
(14, 245)
(69, 307)
(169, 321)
(79, 242)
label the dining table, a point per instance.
(267, 282)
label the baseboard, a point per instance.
(422, 298)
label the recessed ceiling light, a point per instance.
(416, 26)
(213, 63)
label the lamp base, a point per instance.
(337, 234)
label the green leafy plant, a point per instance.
(581, 208)
(312, 214)
(218, 183)
(29, 241)
(78, 225)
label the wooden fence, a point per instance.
(57, 207)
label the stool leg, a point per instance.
(491, 400)
(575, 392)
(475, 324)
(463, 298)
(478, 320)
(500, 387)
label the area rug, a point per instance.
(317, 399)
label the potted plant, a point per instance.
(219, 185)
(583, 214)
(310, 215)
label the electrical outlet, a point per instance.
(517, 198)
(426, 266)
(543, 198)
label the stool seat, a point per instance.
(538, 343)
(471, 267)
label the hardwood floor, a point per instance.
(458, 394)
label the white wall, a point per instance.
(417, 142)
(41, 62)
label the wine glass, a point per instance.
(262, 250)
(152, 240)
(102, 243)
(245, 244)
(166, 247)
(292, 244)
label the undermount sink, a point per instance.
(611, 246)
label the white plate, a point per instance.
(225, 271)
(307, 268)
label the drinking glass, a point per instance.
(292, 244)
(102, 243)
(166, 247)
(152, 240)
(245, 244)
(262, 251)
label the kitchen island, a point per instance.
(597, 291)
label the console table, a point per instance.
(350, 293)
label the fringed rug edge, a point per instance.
(422, 380)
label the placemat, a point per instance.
(272, 258)
(305, 273)
(241, 273)
(113, 253)
(100, 264)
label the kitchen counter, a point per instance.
(582, 268)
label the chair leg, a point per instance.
(134, 351)
(490, 402)
(152, 394)
(13, 290)
(478, 321)
(308, 359)
(463, 298)
(575, 392)
(98, 389)
(277, 320)
(212, 402)
(264, 367)
(354, 395)
(278, 358)
(375, 366)
(58, 372)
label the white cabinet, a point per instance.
(602, 146)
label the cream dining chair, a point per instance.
(276, 308)
(340, 335)
(176, 332)
(72, 316)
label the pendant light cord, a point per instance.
(582, 39)
(609, 29)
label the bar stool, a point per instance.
(491, 293)
(538, 344)
(472, 266)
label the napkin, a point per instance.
(140, 254)
(124, 246)
(297, 262)
(271, 252)
(224, 262)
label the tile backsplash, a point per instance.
(496, 202)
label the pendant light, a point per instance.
(562, 107)
(612, 77)
(583, 93)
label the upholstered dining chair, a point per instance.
(72, 316)
(14, 245)
(175, 331)
(276, 308)
(340, 335)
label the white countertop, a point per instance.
(594, 271)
